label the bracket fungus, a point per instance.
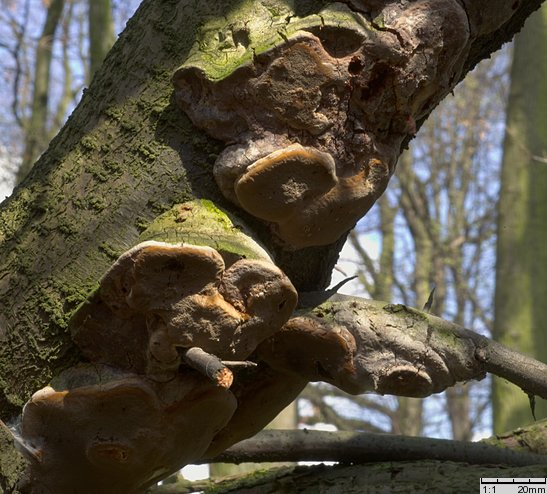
(159, 298)
(361, 346)
(315, 119)
(96, 429)
(156, 391)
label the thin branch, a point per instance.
(363, 401)
(363, 255)
(526, 372)
(352, 447)
(328, 414)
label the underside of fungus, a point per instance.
(96, 429)
(167, 336)
(316, 118)
(156, 332)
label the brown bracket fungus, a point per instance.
(362, 346)
(157, 391)
(97, 430)
(316, 118)
(193, 349)
(159, 298)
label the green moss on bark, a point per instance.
(12, 463)
(202, 223)
(225, 44)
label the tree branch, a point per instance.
(362, 345)
(326, 413)
(352, 447)
(524, 371)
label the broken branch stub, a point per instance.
(316, 116)
(210, 366)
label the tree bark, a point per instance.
(125, 155)
(376, 478)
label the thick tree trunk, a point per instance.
(101, 33)
(127, 154)
(521, 270)
(36, 133)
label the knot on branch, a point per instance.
(316, 118)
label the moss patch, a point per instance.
(224, 45)
(200, 222)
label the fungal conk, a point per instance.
(316, 118)
(156, 392)
(160, 298)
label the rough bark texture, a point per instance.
(127, 154)
(377, 478)
(11, 462)
(521, 270)
(532, 438)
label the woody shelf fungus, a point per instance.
(115, 432)
(315, 118)
(159, 299)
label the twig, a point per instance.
(352, 447)
(239, 364)
(210, 366)
(526, 372)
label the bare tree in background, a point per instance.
(521, 270)
(36, 135)
(101, 32)
(53, 49)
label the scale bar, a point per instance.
(514, 481)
